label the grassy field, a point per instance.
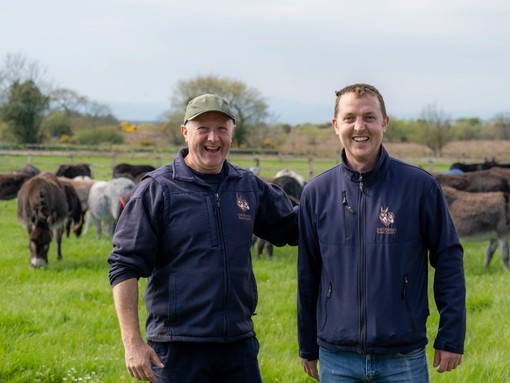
(58, 324)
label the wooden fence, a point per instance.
(102, 162)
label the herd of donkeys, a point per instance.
(70, 199)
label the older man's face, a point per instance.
(209, 137)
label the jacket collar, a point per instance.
(183, 172)
(370, 176)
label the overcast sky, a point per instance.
(130, 54)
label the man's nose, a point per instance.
(213, 135)
(359, 124)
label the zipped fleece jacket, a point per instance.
(364, 245)
(194, 244)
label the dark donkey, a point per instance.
(481, 181)
(292, 184)
(482, 216)
(43, 209)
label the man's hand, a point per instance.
(310, 367)
(139, 360)
(446, 361)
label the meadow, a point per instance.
(58, 324)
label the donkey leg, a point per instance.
(269, 248)
(489, 252)
(59, 233)
(505, 255)
(260, 246)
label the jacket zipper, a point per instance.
(362, 266)
(226, 280)
(217, 198)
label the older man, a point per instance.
(188, 228)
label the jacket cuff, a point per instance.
(444, 346)
(115, 280)
(313, 355)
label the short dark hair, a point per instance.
(360, 90)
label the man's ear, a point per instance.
(184, 132)
(334, 123)
(386, 122)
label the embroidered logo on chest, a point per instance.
(387, 218)
(244, 206)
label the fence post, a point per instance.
(310, 167)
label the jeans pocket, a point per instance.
(413, 354)
(161, 349)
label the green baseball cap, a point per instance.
(207, 103)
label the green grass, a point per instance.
(58, 324)
(488, 333)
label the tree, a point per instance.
(55, 125)
(249, 107)
(17, 68)
(68, 101)
(468, 128)
(500, 125)
(100, 113)
(435, 129)
(24, 111)
(80, 111)
(400, 130)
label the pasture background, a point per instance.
(58, 324)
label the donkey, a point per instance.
(482, 216)
(104, 200)
(476, 181)
(45, 205)
(292, 184)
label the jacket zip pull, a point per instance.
(217, 200)
(346, 205)
(360, 179)
(404, 287)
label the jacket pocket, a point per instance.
(173, 310)
(405, 298)
(327, 299)
(348, 210)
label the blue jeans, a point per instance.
(208, 362)
(348, 367)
